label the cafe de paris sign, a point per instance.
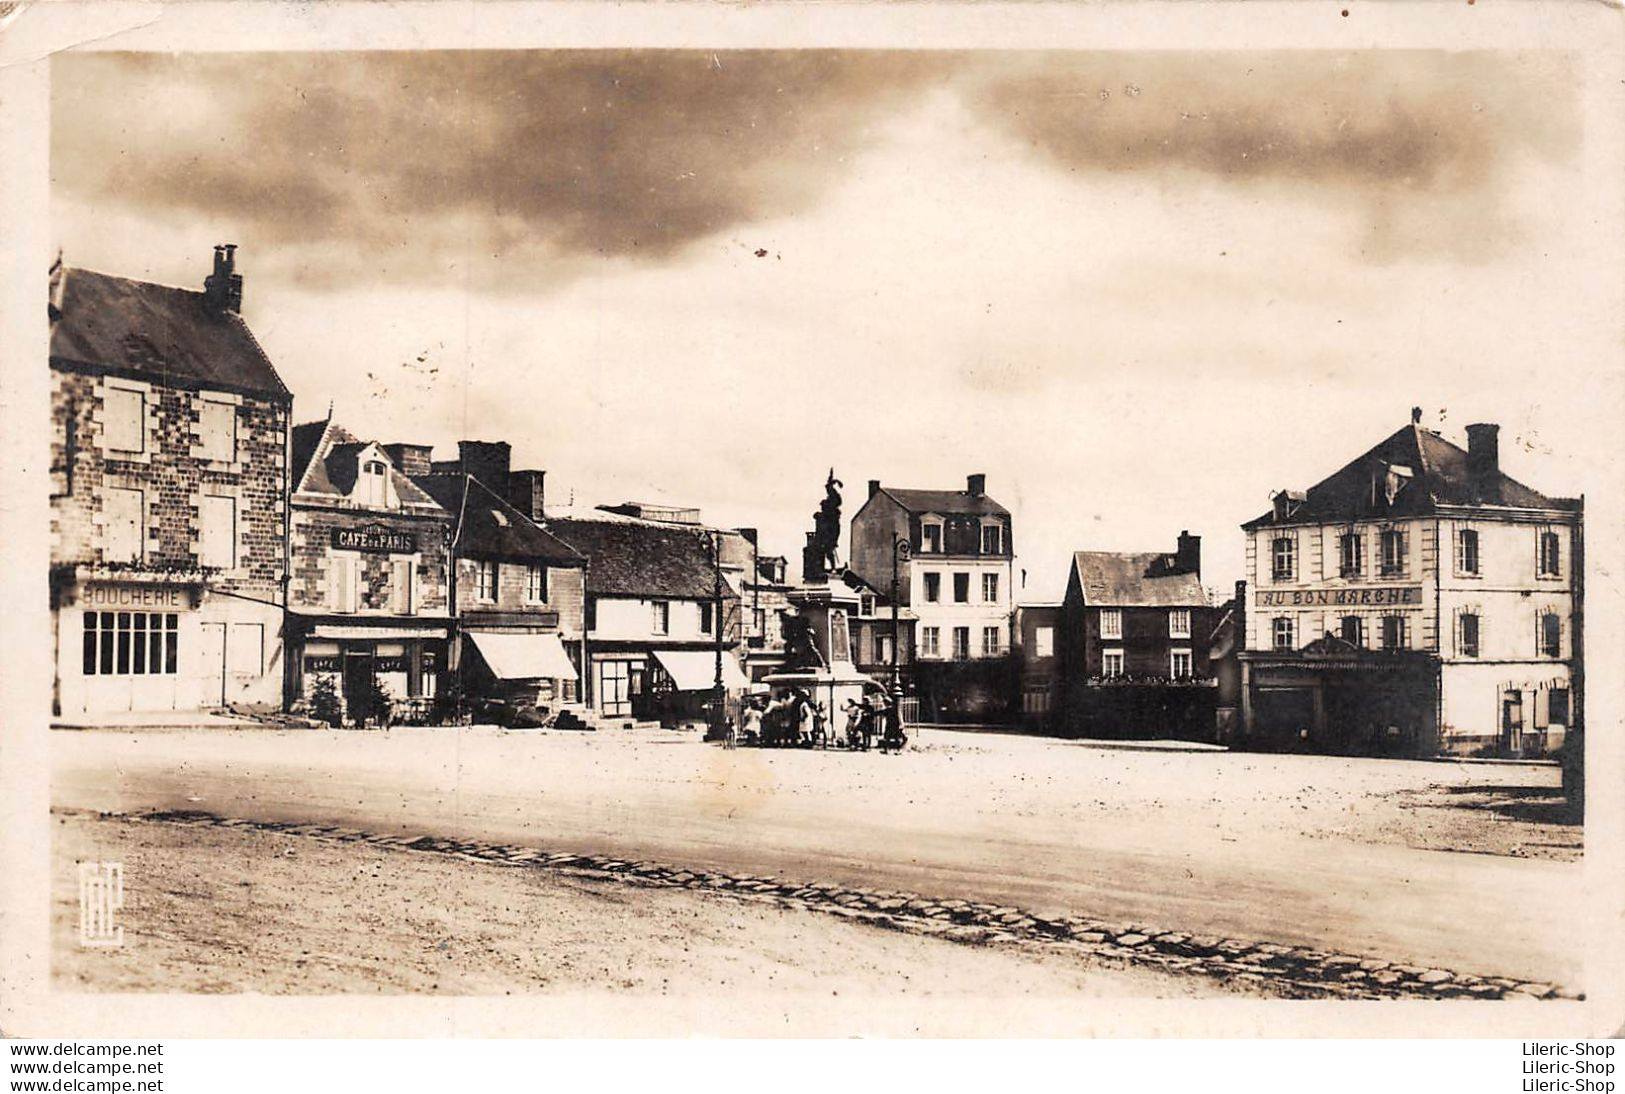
(376, 539)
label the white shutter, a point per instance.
(123, 514)
(124, 419)
(217, 517)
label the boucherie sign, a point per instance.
(1398, 596)
(380, 540)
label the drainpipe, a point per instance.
(290, 668)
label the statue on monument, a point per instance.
(820, 558)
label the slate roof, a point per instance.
(158, 332)
(325, 463)
(1112, 579)
(492, 528)
(1438, 477)
(642, 559)
(946, 502)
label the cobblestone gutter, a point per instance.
(1291, 970)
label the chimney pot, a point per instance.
(1416, 415)
(1188, 558)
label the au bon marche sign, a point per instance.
(1398, 596)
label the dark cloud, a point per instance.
(517, 167)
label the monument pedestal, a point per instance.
(824, 669)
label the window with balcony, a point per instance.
(1284, 558)
(1179, 623)
(1111, 623)
(1467, 552)
(1350, 554)
(1283, 633)
(1393, 553)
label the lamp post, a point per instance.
(716, 730)
(900, 549)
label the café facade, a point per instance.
(368, 610)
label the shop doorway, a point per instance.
(358, 689)
(212, 664)
(1512, 720)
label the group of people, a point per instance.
(797, 720)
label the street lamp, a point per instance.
(717, 729)
(900, 549)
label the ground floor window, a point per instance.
(990, 641)
(618, 684)
(961, 643)
(1393, 632)
(1111, 663)
(1179, 666)
(131, 643)
(1557, 706)
(1353, 629)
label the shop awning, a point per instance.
(524, 656)
(696, 670)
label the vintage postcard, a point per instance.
(812, 520)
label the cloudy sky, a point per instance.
(1138, 290)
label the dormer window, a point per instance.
(931, 537)
(375, 483)
(992, 539)
(866, 604)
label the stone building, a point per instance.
(1034, 630)
(1418, 600)
(519, 598)
(957, 580)
(369, 606)
(660, 605)
(1132, 652)
(169, 474)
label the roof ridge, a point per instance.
(66, 269)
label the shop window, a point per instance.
(217, 532)
(1393, 553)
(1283, 633)
(1393, 632)
(1350, 554)
(1111, 623)
(1285, 558)
(1467, 552)
(1467, 634)
(933, 588)
(1353, 630)
(1179, 623)
(217, 429)
(1551, 634)
(124, 419)
(124, 514)
(130, 643)
(1551, 560)
(1111, 662)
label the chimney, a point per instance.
(749, 535)
(976, 485)
(411, 459)
(525, 493)
(486, 461)
(223, 289)
(1484, 460)
(1188, 559)
(874, 487)
(1416, 415)
(1241, 615)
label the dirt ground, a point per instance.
(220, 910)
